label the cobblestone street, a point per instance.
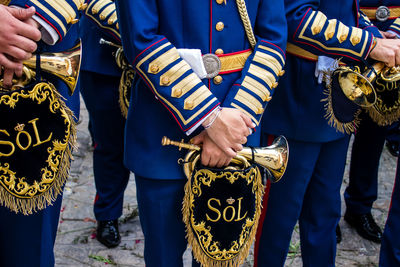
(77, 246)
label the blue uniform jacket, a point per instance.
(330, 28)
(169, 98)
(97, 57)
(369, 7)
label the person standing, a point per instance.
(310, 189)
(369, 140)
(180, 96)
(28, 240)
(100, 78)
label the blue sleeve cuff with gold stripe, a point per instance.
(175, 84)
(395, 27)
(103, 13)
(318, 35)
(59, 14)
(254, 90)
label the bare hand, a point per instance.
(230, 130)
(388, 35)
(211, 154)
(18, 36)
(387, 51)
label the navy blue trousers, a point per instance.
(100, 93)
(160, 209)
(28, 241)
(362, 190)
(390, 248)
(309, 192)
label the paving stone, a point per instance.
(76, 244)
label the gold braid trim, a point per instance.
(247, 240)
(349, 127)
(244, 15)
(55, 175)
(5, 2)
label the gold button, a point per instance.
(274, 85)
(83, 7)
(219, 2)
(94, 11)
(165, 81)
(343, 38)
(218, 79)
(260, 111)
(281, 73)
(154, 68)
(355, 40)
(330, 35)
(220, 26)
(102, 17)
(73, 21)
(189, 105)
(267, 98)
(110, 21)
(317, 30)
(117, 26)
(177, 93)
(219, 51)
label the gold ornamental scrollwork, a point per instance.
(15, 192)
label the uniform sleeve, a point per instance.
(252, 92)
(158, 63)
(365, 23)
(59, 14)
(395, 26)
(311, 30)
(103, 13)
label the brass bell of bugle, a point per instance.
(274, 158)
(357, 87)
(64, 65)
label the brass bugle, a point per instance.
(358, 86)
(65, 65)
(274, 158)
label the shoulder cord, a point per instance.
(244, 15)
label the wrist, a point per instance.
(211, 118)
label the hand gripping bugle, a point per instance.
(274, 158)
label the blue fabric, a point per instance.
(367, 148)
(296, 110)
(149, 29)
(96, 57)
(100, 93)
(308, 192)
(160, 204)
(390, 248)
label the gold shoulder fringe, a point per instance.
(349, 127)
(197, 251)
(28, 206)
(383, 119)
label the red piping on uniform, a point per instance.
(358, 13)
(211, 21)
(283, 53)
(59, 34)
(301, 22)
(328, 52)
(96, 198)
(230, 71)
(133, 63)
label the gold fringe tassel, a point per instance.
(30, 205)
(348, 127)
(383, 119)
(197, 251)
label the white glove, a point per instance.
(324, 69)
(194, 59)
